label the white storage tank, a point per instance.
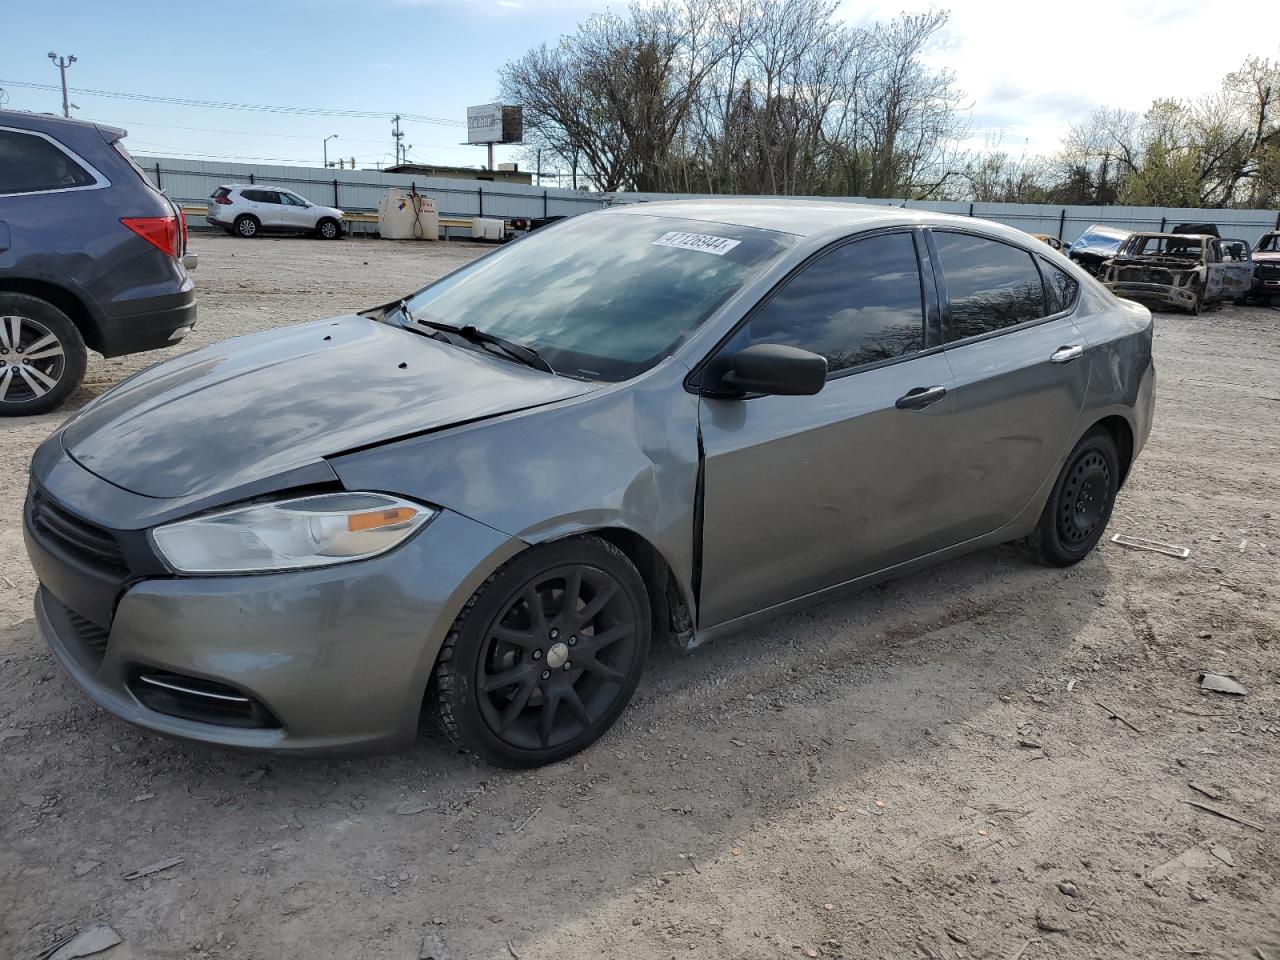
(487, 228)
(407, 215)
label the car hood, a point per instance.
(257, 406)
(1266, 256)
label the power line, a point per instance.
(238, 133)
(227, 105)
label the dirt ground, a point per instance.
(927, 769)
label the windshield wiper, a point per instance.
(516, 351)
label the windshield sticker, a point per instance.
(697, 241)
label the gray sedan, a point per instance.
(654, 423)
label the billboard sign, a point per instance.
(484, 123)
(494, 123)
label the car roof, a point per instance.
(1172, 236)
(50, 123)
(803, 218)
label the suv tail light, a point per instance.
(223, 199)
(163, 233)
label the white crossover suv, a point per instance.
(246, 210)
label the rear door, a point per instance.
(1020, 372)
(265, 205)
(803, 493)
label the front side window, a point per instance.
(31, 164)
(990, 285)
(289, 200)
(603, 296)
(857, 304)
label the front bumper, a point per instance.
(1157, 293)
(336, 659)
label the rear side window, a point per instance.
(220, 193)
(1060, 288)
(257, 196)
(859, 304)
(31, 164)
(991, 285)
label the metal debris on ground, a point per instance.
(1152, 546)
(1121, 718)
(433, 948)
(156, 867)
(1222, 683)
(407, 808)
(1223, 854)
(86, 943)
(1226, 816)
(1200, 788)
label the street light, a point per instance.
(325, 145)
(62, 64)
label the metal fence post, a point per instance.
(335, 193)
(159, 185)
(1163, 222)
(544, 204)
(480, 200)
(1062, 224)
(251, 180)
(971, 209)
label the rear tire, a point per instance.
(545, 655)
(1081, 502)
(247, 227)
(329, 229)
(42, 356)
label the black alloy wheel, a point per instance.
(546, 654)
(1081, 502)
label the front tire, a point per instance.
(247, 227)
(328, 229)
(545, 655)
(42, 356)
(1081, 502)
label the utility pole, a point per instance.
(397, 134)
(333, 136)
(62, 63)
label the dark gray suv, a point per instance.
(92, 256)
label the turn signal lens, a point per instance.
(292, 534)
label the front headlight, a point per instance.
(297, 533)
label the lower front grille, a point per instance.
(88, 541)
(85, 639)
(198, 699)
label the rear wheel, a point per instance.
(328, 229)
(42, 356)
(247, 226)
(546, 654)
(1080, 505)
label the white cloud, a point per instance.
(1032, 68)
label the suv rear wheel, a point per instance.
(246, 226)
(42, 355)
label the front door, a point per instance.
(1020, 370)
(295, 214)
(803, 493)
(1237, 269)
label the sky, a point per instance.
(1028, 70)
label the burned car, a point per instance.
(1266, 267)
(1186, 271)
(1096, 246)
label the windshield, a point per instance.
(1099, 240)
(603, 297)
(1270, 242)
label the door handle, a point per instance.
(920, 397)
(1067, 354)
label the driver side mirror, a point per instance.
(777, 369)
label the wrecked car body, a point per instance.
(1266, 267)
(1096, 246)
(1182, 271)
